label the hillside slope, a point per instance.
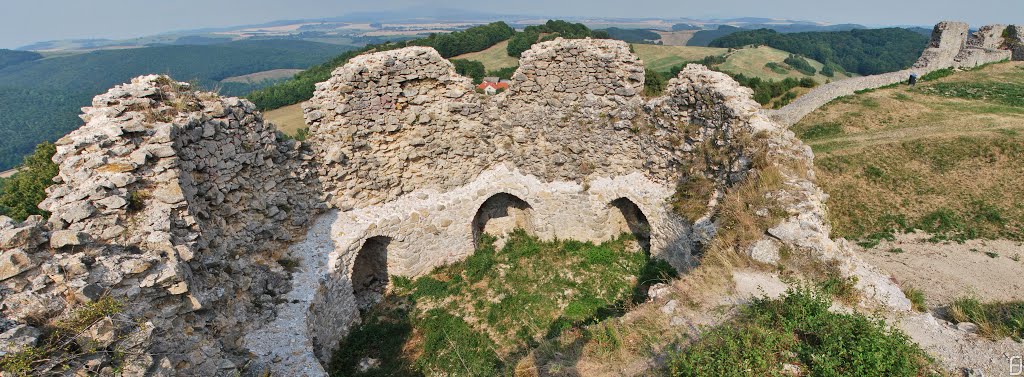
(752, 62)
(946, 157)
(40, 100)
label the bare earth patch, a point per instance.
(948, 271)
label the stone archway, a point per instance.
(501, 214)
(625, 217)
(370, 272)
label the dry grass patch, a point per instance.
(897, 159)
(493, 58)
(288, 119)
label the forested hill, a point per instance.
(300, 87)
(12, 57)
(478, 38)
(866, 51)
(40, 100)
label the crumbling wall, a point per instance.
(948, 38)
(172, 202)
(570, 139)
(984, 46)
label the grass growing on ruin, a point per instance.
(481, 315)
(945, 157)
(798, 329)
(994, 320)
(63, 341)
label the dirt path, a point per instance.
(985, 269)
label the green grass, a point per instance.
(1010, 94)
(494, 58)
(994, 320)
(663, 58)
(479, 316)
(821, 131)
(917, 299)
(799, 329)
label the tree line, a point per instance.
(549, 31)
(864, 51)
(478, 38)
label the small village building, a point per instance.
(492, 88)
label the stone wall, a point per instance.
(950, 47)
(172, 202)
(411, 154)
(948, 38)
(983, 46)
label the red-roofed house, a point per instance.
(492, 88)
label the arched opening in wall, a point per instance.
(626, 217)
(370, 272)
(499, 215)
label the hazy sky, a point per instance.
(24, 22)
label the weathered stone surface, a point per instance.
(765, 250)
(14, 262)
(61, 238)
(17, 338)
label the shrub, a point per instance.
(470, 68)
(21, 194)
(916, 297)
(799, 329)
(994, 320)
(800, 64)
(776, 67)
(937, 74)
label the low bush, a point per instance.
(798, 329)
(800, 64)
(994, 320)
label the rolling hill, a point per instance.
(752, 62)
(494, 58)
(663, 58)
(40, 99)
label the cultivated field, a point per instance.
(288, 119)
(493, 58)
(675, 38)
(663, 58)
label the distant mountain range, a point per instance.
(407, 21)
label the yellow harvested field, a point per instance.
(675, 38)
(494, 58)
(751, 62)
(253, 78)
(288, 119)
(663, 58)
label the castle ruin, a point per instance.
(236, 249)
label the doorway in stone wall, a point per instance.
(499, 215)
(626, 217)
(370, 272)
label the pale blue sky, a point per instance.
(24, 22)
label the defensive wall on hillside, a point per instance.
(235, 249)
(951, 46)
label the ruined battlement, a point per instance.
(190, 206)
